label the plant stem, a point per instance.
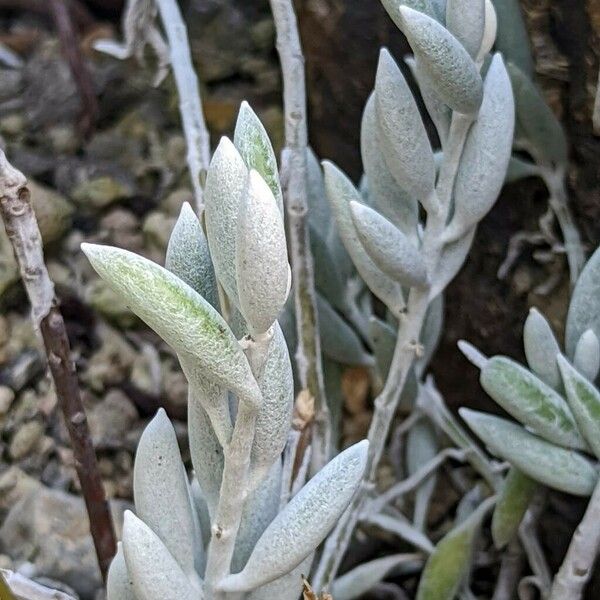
(24, 235)
(294, 179)
(190, 107)
(404, 354)
(576, 568)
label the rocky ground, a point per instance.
(124, 185)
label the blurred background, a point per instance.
(109, 166)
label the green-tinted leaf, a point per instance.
(531, 401)
(519, 169)
(556, 467)
(536, 122)
(584, 309)
(328, 279)
(465, 20)
(450, 562)
(402, 134)
(584, 400)
(452, 71)
(254, 145)
(388, 247)
(512, 39)
(188, 256)
(385, 195)
(541, 348)
(319, 215)
(587, 355)
(517, 492)
(262, 270)
(224, 192)
(178, 314)
(340, 193)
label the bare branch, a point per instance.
(24, 235)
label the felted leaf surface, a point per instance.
(541, 348)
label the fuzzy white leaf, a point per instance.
(452, 71)
(426, 6)
(261, 257)
(388, 247)
(286, 587)
(340, 193)
(275, 415)
(541, 348)
(385, 195)
(119, 585)
(160, 490)
(451, 261)
(584, 309)
(156, 575)
(513, 38)
(487, 150)
(402, 134)
(253, 143)
(188, 256)
(465, 20)
(224, 192)
(304, 522)
(178, 314)
(556, 467)
(489, 32)
(587, 355)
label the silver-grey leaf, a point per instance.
(156, 575)
(452, 71)
(160, 490)
(428, 7)
(262, 270)
(587, 355)
(512, 39)
(286, 587)
(541, 348)
(431, 332)
(119, 585)
(556, 467)
(451, 261)
(388, 247)
(184, 319)
(487, 150)
(319, 215)
(188, 256)
(402, 134)
(489, 31)
(465, 20)
(226, 184)
(340, 193)
(584, 309)
(385, 195)
(304, 522)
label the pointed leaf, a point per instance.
(429, 7)
(452, 71)
(512, 38)
(156, 575)
(188, 256)
(489, 31)
(286, 587)
(451, 261)
(536, 121)
(450, 562)
(338, 339)
(319, 215)
(160, 490)
(261, 257)
(487, 150)
(584, 309)
(119, 585)
(304, 522)
(328, 278)
(402, 134)
(385, 195)
(178, 314)
(541, 348)
(529, 400)
(513, 501)
(224, 192)
(587, 355)
(275, 415)
(584, 400)
(253, 143)
(340, 192)
(465, 20)
(556, 467)
(388, 247)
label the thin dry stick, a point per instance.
(24, 234)
(69, 42)
(577, 566)
(294, 178)
(190, 107)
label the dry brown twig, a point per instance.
(24, 235)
